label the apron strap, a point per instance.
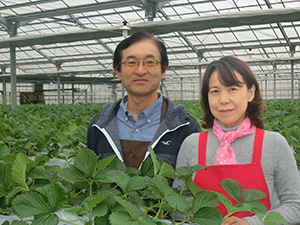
(202, 148)
(257, 147)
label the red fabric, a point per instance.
(250, 176)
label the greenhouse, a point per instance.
(56, 73)
(64, 49)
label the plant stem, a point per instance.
(66, 221)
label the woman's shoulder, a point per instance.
(275, 141)
(274, 135)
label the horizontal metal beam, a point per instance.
(162, 27)
(67, 76)
(73, 10)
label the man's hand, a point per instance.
(235, 221)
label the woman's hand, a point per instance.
(235, 221)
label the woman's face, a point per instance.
(229, 103)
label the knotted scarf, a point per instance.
(225, 153)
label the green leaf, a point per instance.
(86, 161)
(19, 169)
(233, 188)
(207, 216)
(103, 163)
(167, 170)
(187, 171)
(131, 209)
(99, 211)
(178, 201)
(120, 178)
(156, 163)
(40, 159)
(72, 174)
(204, 199)
(136, 183)
(102, 176)
(30, 204)
(72, 127)
(275, 218)
(159, 186)
(103, 220)
(122, 218)
(40, 172)
(57, 196)
(146, 221)
(5, 175)
(3, 149)
(192, 186)
(47, 219)
(250, 195)
(92, 201)
(147, 169)
(17, 223)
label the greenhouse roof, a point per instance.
(76, 39)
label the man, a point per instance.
(143, 117)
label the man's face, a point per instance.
(141, 80)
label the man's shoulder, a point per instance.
(107, 111)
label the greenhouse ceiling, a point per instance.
(76, 39)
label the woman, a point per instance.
(236, 147)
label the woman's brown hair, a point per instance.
(226, 68)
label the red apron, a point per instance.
(250, 176)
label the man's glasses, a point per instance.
(134, 63)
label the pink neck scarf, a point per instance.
(225, 153)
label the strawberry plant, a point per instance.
(107, 192)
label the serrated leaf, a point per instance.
(86, 161)
(159, 186)
(116, 164)
(131, 209)
(136, 183)
(4, 150)
(101, 176)
(187, 171)
(99, 211)
(47, 219)
(146, 221)
(57, 196)
(250, 195)
(74, 210)
(233, 188)
(167, 170)
(103, 220)
(30, 204)
(204, 199)
(5, 175)
(120, 178)
(72, 127)
(274, 217)
(207, 216)
(19, 170)
(92, 201)
(72, 174)
(103, 163)
(40, 159)
(121, 218)
(178, 201)
(147, 169)
(40, 172)
(192, 186)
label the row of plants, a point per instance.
(49, 129)
(102, 192)
(106, 192)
